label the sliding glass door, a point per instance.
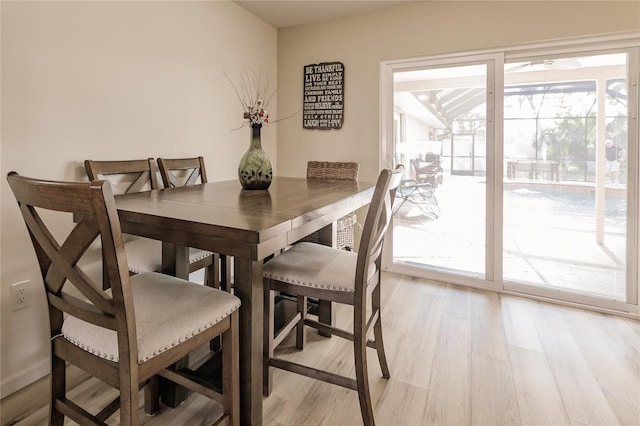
(521, 171)
(566, 187)
(442, 136)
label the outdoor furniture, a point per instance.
(250, 226)
(145, 255)
(314, 270)
(428, 170)
(533, 168)
(421, 195)
(131, 333)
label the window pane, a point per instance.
(564, 224)
(441, 221)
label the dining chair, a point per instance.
(131, 333)
(145, 255)
(337, 170)
(315, 270)
(177, 172)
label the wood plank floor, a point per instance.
(458, 356)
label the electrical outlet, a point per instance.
(20, 295)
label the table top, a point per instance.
(222, 217)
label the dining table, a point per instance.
(250, 226)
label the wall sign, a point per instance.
(323, 105)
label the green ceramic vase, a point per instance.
(254, 170)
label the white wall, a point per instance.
(411, 30)
(112, 80)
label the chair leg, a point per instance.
(129, 397)
(212, 272)
(268, 335)
(230, 371)
(326, 314)
(300, 334)
(152, 396)
(377, 332)
(225, 272)
(215, 344)
(58, 389)
(362, 380)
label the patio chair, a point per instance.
(428, 170)
(420, 195)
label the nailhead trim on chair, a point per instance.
(104, 344)
(306, 284)
(326, 268)
(81, 345)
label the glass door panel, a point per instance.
(565, 184)
(441, 221)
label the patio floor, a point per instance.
(549, 234)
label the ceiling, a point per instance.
(289, 13)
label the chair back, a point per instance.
(94, 205)
(125, 176)
(415, 165)
(176, 172)
(374, 230)
(332, 170)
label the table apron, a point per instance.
(241, 249)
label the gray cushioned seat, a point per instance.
(316, 265)
(158, 300)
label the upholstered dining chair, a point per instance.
(131, 333)
(337, 170)
(314, 270)
(177, 172)
(145, 255)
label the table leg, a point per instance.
(248, 287)
(175, 260)
(326, 314)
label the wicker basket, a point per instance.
(345, 238)
(346, 232)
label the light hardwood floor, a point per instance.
(458, 356)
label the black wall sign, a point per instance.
(323, 104)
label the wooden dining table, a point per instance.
(250, 226)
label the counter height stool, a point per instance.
(131, 333)
(314, 270)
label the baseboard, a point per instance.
(32, 397)
(24, 378)
(25, 394)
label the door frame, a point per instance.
(493, 217)
(630, 42)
